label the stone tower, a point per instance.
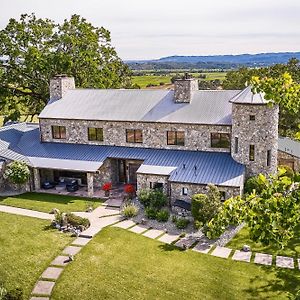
(59, 86)
(254, 139)
(184, 89)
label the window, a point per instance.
(184, 191)
(156, 185)
(252, 118)
(251, 152)
(236, 145)
(95, 134)
(223, 196)
(59, 132)
(175, 138)
(268, 158)
(220, 140)
(134, 136)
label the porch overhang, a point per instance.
(65, 164)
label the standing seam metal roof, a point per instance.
(197, 167)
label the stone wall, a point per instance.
(106, 173)
(143, 182)
(289, 160)
(262, 133)
(176, 191)
(197, 137)
(184, 89)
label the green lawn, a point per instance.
(45, 202)
(118, 264)
(27, 246)
(242, 238)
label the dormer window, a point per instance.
(58, 132)
(252, 117)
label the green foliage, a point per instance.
(150, 212)
(280, 83)
(252, 183)
(182, 223)
(162, 215)
(17, 172)
(76, 220)
(14, 294)
(287, 171)
(153, 198)
(130, 210)
(204, 207)
(37, 49)
(272, 215)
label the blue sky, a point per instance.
(152, 29)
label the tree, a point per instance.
(17, 172)
(34, 50)
(280, 83)
(272, 215)
(205, 206)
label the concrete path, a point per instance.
(26, 212)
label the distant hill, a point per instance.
(214, 61)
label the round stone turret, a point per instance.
(59, 85)
(254, 139)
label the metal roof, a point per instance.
(155, 170)
(246, 96)
(197, 167)
(206, 107)
(289, 146)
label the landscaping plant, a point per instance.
(129, 190)
(130, 210)
(106, 188)
(162, 215)
(17, 172)
(182, 223)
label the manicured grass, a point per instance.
(118, 264)
(27, 246)
(242, 238)
(45, 202)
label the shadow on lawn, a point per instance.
(285, 280)
(167, 247)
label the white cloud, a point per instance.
(149, 29)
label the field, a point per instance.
(118, 264)
(145, 80)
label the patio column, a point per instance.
(37, 179)
(90, 184)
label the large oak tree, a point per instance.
(32, 50)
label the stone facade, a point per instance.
(192, 189)
(108, 172)
(287, 159)
(184, 89)
(197, 137)
(59, 85)
(261, 132)
(144, 182)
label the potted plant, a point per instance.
(129, 190)
(106, 188)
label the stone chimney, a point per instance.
(59, 85)
(184, 89)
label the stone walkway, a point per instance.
(26, 212)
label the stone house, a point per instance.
(179, 140)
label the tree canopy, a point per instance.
(32, 50)
(281, 85)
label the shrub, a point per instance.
(253, 183)
(144, 197)
(77, 221)
(182, 223)
(17, 172)
(288, 171)
(162, 215)
(130, 210)
(15, 294)
(107, 186)
(157, 199)
(174, 219)
(150, 212)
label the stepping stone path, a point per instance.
(169, 238)
(60, 261)
(81, 241)
(186, 242)
(138, 229)
(71, 250)
(285, 262)
(222, 252)
(263, 259)
(242, 256)
(39, 298)
(202, 247)
(52, 273)
(43, 288)
(153, 233)
(125, 224)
